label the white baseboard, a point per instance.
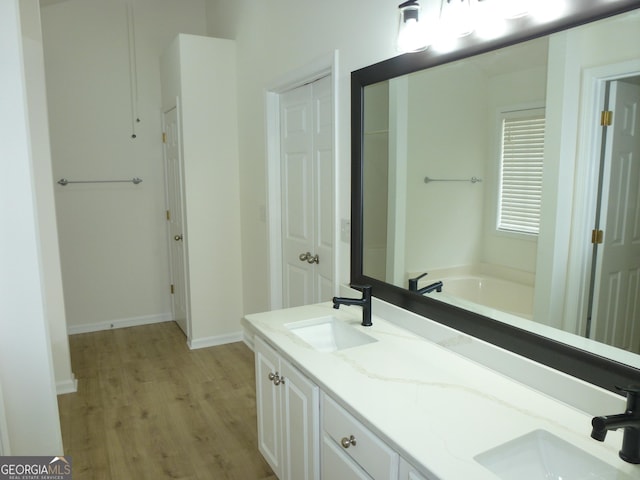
(248, 340)
(67, 386)
(205, 342)
(119, 323)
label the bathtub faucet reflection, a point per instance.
(413, 286)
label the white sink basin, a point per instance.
(541, 455)
(328, 334)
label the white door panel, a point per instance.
(617, 289)
(307, 178)
(268, 406)
(301, 425)
(177, 254)
(296, 143)
(299, 284)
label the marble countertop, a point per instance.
(435, 407)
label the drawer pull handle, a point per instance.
(347, 442)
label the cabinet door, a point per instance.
(337, 465)
(268, 405)
(301, 420)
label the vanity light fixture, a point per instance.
(508, 8)
(412, 36)
(456, 18)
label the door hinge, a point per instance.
(164, 137)
(172, 289)
(168, 215)
(596, 236)
(606, 118)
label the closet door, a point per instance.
(175, 230)
(306, 142)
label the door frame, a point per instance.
(326, 65)
(585, 195)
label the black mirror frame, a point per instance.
(576, 362)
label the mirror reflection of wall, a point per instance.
(376, 176)
(453, 132)
(446, 123)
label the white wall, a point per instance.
(201, 71)
(39, 125)
(113, 237)
(444, 219)
(376, 174)
(26, 364)
(273, 39)
(530, 89)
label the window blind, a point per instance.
(522, 156)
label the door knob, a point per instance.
(309, 258)
(177, 238)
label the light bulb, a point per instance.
(412, 36)
(513, 8)
(456, 18)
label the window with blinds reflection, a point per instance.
(521, 164)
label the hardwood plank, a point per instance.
(148, 407)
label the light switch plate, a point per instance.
(345, 230)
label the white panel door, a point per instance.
(177, 254)
(296, 142)
(617, 288)
(306, 142)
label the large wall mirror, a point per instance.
(491, 193)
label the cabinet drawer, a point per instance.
(337, 464)
(373, 455)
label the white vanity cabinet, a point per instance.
(409, 472)
(305, 434)
(288, 416)
(352, 451)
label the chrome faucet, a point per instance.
(364, 302)
(413, 286)
(629, 420)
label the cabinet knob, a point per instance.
(271, 376)
(347, 442)
(278, 380)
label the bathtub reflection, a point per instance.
(490, 292)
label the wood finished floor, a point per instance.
(149, 408)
